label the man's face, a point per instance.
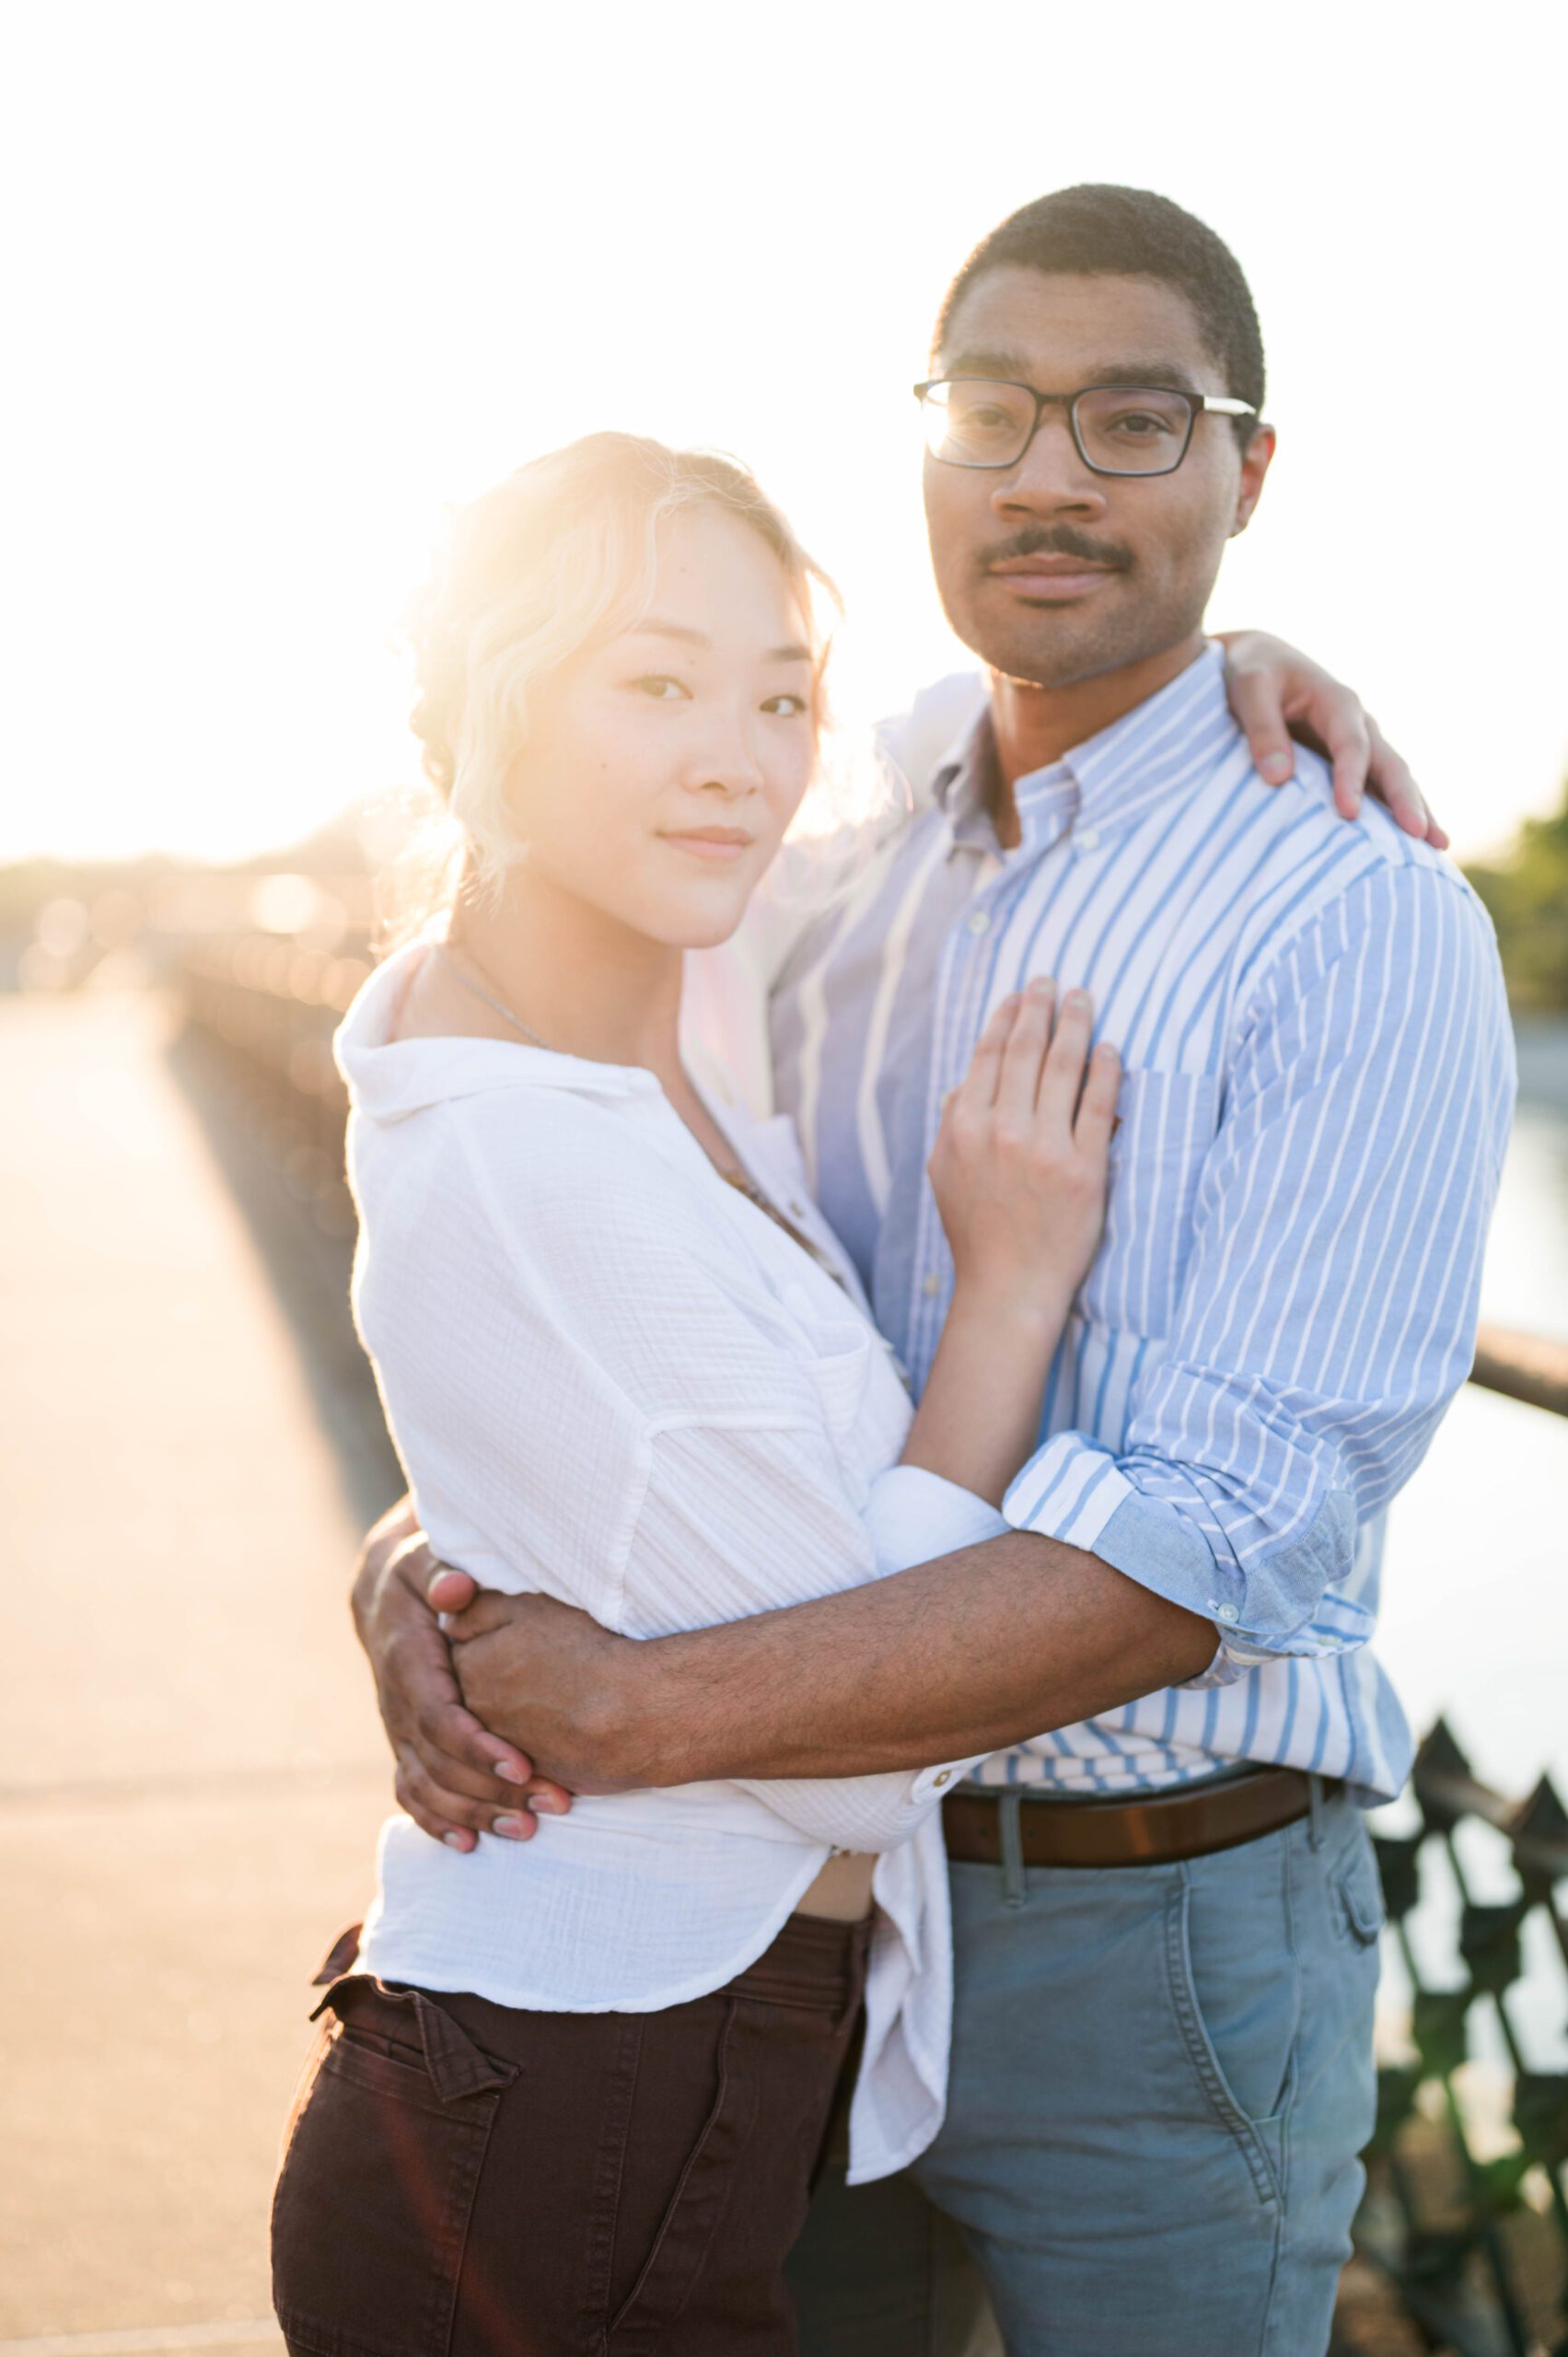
(1123, 564)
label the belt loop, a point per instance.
(1314, 1812)
(1008, 1808)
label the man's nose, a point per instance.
(1052, 478)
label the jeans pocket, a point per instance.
(1257, 2137)
(703, 2191)
(1358, 1912)
(374, 2197)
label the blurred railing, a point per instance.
(270, 1006)
(1522, 1367)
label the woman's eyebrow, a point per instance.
(653, 629)
(793, 653)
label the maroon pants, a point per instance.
(460, 2180)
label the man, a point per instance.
(1166, 1911)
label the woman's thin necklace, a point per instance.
(738, 1178)
(496, 1006)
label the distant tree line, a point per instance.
(1526, 893)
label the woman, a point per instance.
(626, 1364)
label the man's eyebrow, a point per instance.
(1146, 372)
(655, 628)
(1014, 368)
(989, 362)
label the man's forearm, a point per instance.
(978, 1650)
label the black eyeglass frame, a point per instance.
(1198, 404)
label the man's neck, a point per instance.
(1033, 726)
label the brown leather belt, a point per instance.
(1155, 1829)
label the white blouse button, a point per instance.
(931, 1285)
(978, 920)
(1089, 838)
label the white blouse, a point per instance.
(614, 1380)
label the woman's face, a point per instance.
(663, 765)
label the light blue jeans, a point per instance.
(1162, 2077)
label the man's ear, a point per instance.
(1255, 462)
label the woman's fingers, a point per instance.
(1390, 779)
(977, 1091)
(450, 1591)
(452, 1816)
(1018, 1082)
(1255, 701)
(544, 1798)
(1096, 1107)
(441, 1723)
(1063, 1072)
(1350, 750)
(447, 1801)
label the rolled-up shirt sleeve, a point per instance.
(1328, 1308)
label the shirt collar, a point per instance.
(1155, 753)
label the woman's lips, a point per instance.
(722, 845)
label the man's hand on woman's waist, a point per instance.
(455, 1778)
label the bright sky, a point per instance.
(284, 279)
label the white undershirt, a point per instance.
(614, 1380)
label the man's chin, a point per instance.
(1066, 663)
(1049, 645)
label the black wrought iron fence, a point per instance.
(1467, 2209)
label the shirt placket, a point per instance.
(962, 987)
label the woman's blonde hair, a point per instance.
(562, 552)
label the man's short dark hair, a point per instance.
(1103, 232)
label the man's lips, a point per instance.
(721, 844)
(1051, 578)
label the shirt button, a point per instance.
(1226, 1612)
(931, 1285)
(946, 1777)
(1089, 838)
(978, 920)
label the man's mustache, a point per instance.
(1059, 539)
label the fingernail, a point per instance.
(512, 1828)
(1275, 765)
(1042, 986)
(508, 1774)
(455, 1841)
(1076, 998)
(1111, 1055)
(546, 1804)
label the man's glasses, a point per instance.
(1119, 429)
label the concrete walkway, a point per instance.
(190, 1767)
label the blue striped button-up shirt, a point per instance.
(1317, 1082)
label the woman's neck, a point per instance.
(586, 984)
